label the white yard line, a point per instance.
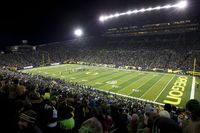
(141, 84)
(133, 83)
(128, 76)
(193, 88)
(151, 87)
(145, 100)
(163, 89)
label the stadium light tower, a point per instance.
(78, 32)
(180, 5)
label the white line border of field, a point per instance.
(164, 88)
(192, 88)
(136, 98)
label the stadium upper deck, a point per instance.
(155, 29)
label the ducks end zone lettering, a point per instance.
(176, 92)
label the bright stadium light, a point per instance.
(142, 10)
(149, 9)
(180, 5)
(117, 15)
(101, 18)
(129, 12)
(135, 11)
(167, 6)
(111, 16)
(124, 13)
(78, 32)
(158, 8)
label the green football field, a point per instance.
(152, 86)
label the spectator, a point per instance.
(133, 125)
(27, 122)
(65, 117)
(193, 114)
(165, 125)
(92, 125)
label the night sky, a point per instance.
(43, 21)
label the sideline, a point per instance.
(193, 88)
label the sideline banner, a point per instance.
(28, 67)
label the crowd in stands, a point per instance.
(163, 51)
(36, 104)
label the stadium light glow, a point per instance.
(149, 9)
(167, 6)
(117, 15)
(78, 32)
(180, 5)
(101, 18)
(142, 10)
(129, 12)
(157, 8)
(135, 11)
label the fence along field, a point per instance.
(156, 87)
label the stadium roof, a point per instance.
(41, 21)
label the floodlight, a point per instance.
(149, 9)
(78, 32)
(142, 10)
(167, 6)
(101, 18)
(181, 4)
(135, 11)
(111, 16)
(124, 13)
(116, 15)
(129, 12)
(157, 8)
